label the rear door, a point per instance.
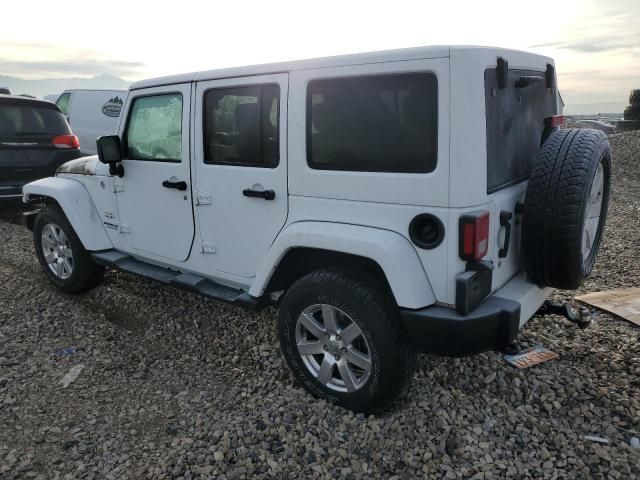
(27, 151)
(240, 169)
(154, 195)
(515, 123)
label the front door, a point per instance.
(154, 196)
(240, 169)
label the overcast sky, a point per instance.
(596, 43)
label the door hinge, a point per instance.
(208, 247)
(124, 228)
(203, 198)
(118, 187)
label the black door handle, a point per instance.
(505, 221)
(266, 194)
(176, 185)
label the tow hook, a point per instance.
(582, 318)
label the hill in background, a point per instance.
(51, 88)
(594, 108)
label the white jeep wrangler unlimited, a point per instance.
(387, 203)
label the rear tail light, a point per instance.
(66, 141)
(554, 121)
(474, 236)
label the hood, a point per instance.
(80, 166)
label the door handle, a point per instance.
(505, 221)
(266, 194)
(177, 185)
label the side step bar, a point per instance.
(184, 281)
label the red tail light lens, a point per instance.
(554, 121)
(66, 141)
(474, 236)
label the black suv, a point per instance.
(35, 139)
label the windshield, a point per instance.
(26, 120)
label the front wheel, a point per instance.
(342, 339)
(61, 254)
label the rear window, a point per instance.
(382, 123)
(25, 120)
(515, 123)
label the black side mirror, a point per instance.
(110, 152)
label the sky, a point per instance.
(595, 43)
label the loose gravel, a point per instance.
(171, 385)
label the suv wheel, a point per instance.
(340, 335)
(565, 207)
(61, 254)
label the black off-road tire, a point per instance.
(634, 97)
(85, 274)
(556, 205)
(361, 297)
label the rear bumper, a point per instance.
(490, 326)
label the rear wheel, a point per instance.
(61, 254)
(566, 207)
(341, 337)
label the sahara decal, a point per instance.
(113, 107)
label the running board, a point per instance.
(184, 281)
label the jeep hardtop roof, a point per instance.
(416, 53)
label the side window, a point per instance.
(241, 126)
(63, 103)
(382, 123)
(154, 128)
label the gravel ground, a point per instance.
(177, 386)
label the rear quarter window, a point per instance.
(381, 123)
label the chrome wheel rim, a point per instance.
(333, 348)
(594, 211)
(57, 251)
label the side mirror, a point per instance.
(110, 152)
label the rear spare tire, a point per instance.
(566, 207)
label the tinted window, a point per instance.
(154, 130)
(241, 126)
(63, 103)
(515, 123)
(374, 124)
(25, 120)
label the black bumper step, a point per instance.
(185, 281)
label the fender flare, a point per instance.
(393, 252)
(76, 203)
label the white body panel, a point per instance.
(75, 201)
(87, 117)
(391, 251)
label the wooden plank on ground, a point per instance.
(624, 303)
